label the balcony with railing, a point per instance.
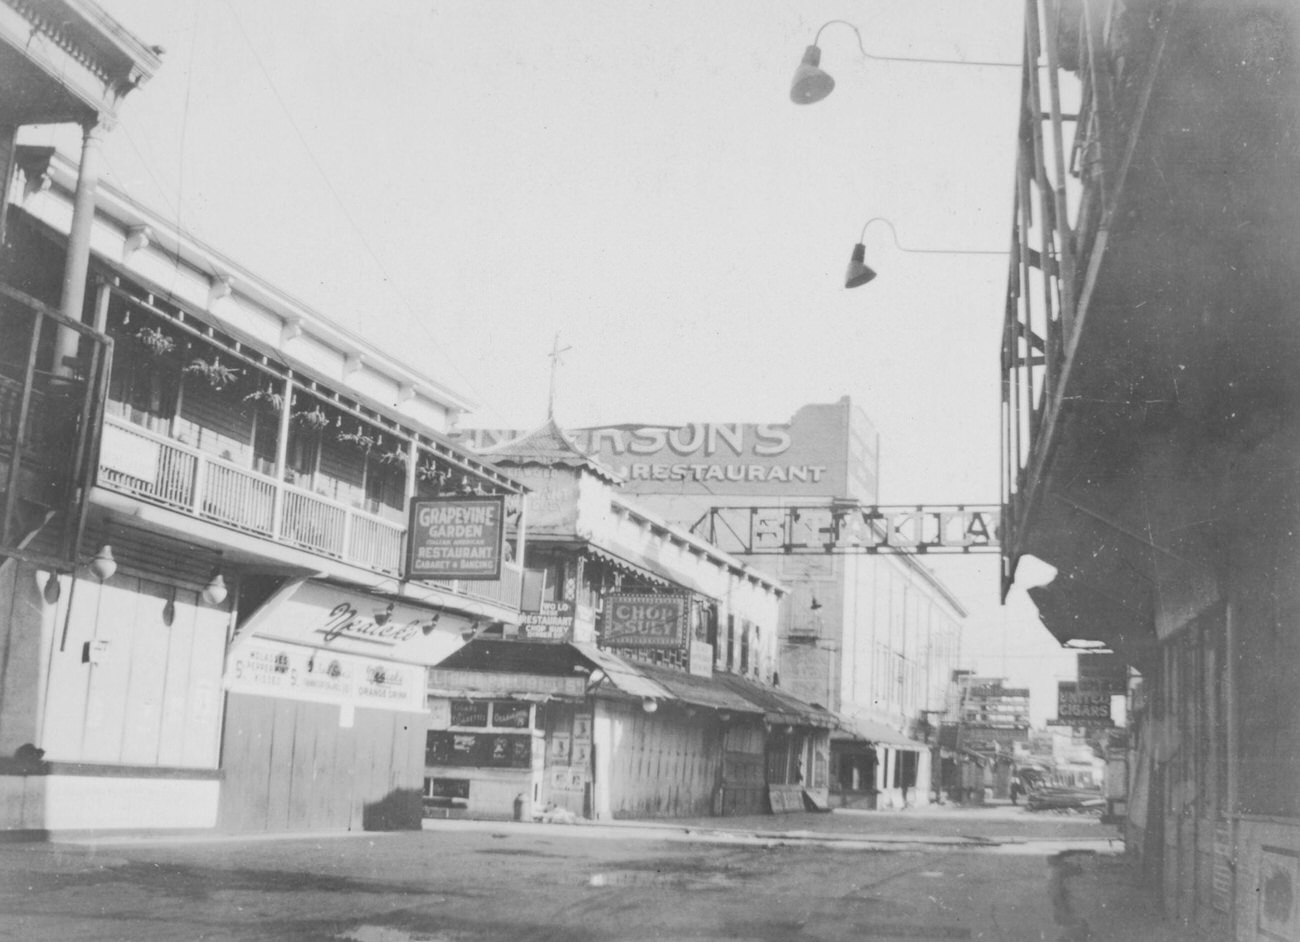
(212, 432)
(144, 464)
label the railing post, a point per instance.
(200, 484)
(281, 459)
(348, 514)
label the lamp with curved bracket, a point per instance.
(859, 272)
(811, 83)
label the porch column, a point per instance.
(77, 261)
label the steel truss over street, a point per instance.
(844, 527)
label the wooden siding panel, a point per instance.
(143, 700)
(280, 772)
(180, 651)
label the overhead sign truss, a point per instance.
(845, 527)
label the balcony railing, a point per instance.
(152, 467)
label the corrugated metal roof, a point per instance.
(700, 691)
(777, 705)
(876, 732)
(622, 675)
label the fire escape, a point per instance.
(1146, 346)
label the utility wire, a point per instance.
(329, 185)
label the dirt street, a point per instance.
(823, 877)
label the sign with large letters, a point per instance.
(456, 538)
(847, 527)
(1081, 707)
(825, 449)
(646, 621)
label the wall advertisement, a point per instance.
(823, 450)
(276, 669)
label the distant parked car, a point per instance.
(1057, 798)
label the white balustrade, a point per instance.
(152, 467)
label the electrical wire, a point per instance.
(338, 199)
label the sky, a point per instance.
(462, 181)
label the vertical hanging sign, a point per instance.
(456, 538)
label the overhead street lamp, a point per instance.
(859, 273)
(811, 83)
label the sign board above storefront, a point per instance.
(444, 682)
(294, 672)
(456, 538)
(319, 614)
(1103, 672)
(646, 621)
(554, 622)
(1083, 708)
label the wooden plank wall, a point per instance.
(664, 764)
(291, 766)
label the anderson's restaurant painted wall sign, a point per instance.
(456, 538)
(828, 449)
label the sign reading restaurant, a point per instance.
(824, 449)
(456, 538)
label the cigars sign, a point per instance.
(456, 538)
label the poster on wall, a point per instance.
(646, 621)
(456, 538)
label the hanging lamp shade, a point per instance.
(104, 565)
(52, 589)
(214, 593)
(810, 82)
(859, 272)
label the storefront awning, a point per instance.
(873, 731)
(778, 706)
(709, 692)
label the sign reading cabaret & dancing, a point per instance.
(646, 621)
(456, 538)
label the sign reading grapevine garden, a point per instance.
(456, 538)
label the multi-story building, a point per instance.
(640, 678)
(204, 615)
(988, 727)
(1153, 416)
(872, 638)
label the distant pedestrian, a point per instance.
(1015, 791)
